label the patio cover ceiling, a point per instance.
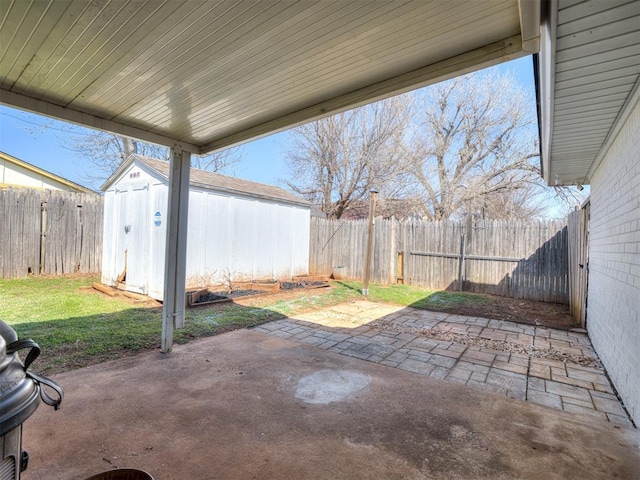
(205, 75)
(589, 83)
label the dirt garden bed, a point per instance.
(251, 289)
(303, 284)
(205, 297)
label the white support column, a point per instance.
(176, 247)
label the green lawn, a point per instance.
(417, 297)
(76, 326)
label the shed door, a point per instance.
(132, 236)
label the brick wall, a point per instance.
(613, 312)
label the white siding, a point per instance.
(244, 238)
(108, 246)
(158, 199)
(228, 235)
(613, 312)
(15, 175)
(597, 66)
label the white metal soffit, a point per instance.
(204, 75)
(589, 81)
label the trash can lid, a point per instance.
(19, 395)
(122, 474)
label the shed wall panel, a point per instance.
(158, 199)
(108, 247)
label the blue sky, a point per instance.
(37, 140)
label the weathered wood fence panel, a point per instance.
(516, 259)
(578, 239)
(49, 232)
(431, 250)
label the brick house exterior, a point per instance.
(613, 312)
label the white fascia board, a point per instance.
(124, 168)
(483, 57)
(547, 74)
(83, 119)
(115, 176)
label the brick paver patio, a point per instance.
(453, 348)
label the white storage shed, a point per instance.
(237, 229)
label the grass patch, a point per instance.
(416, 297)
(39, 299)
(76, 326)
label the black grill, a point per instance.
(21, 391)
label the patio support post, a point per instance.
(176, 247)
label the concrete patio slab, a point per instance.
(246, 405)
(537, 364)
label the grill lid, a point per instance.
(20, 389)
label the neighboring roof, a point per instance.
(400, 208)
(316, 211)
(205, 75)
(588, 83)
(213, 181)
(51, 176)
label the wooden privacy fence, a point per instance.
(49, 232)
(578, 233)
(508, 258)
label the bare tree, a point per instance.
(221, 161)
(512, 204)
(476, 148)
(106, 152)
(336, 161)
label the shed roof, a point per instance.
(213, 181)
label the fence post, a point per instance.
(406, 249)
(461, 261)
(400, 271)
(393, 253)
(43, 236)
